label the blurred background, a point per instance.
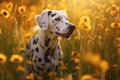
(93, 52)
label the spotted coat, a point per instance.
(43, 50)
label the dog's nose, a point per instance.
(71, 27)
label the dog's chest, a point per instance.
(44, 62)
(44, 56)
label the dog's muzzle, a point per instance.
(71, 29)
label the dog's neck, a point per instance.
(48, 39)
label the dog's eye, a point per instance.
(57, 19)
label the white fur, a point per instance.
(46, 44)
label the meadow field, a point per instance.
(92, 53)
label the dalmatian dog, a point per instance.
(43, 49)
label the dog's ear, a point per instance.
(42, 19)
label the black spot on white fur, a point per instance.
(47, 40)
(53, 57)
(52, 52)
(32, 67)
(52, 15)
(35, 60)
(58, 19)
(39, 60)
(66, 23)
(58, 28)
(39, 68)
(46, 60)
(43, 22)
(35, 40)
(51, 32)
(56, 68)
(37, 49)
(28, 45)
(47, 53)
(43, 65)
(49, 12)
(42, 46)
(32, 50)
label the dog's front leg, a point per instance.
(59, 55)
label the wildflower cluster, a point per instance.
(2, 58)
(94, 46)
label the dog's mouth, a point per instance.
(66, 35)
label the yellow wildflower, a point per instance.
(76, 68)
(76, 60)
(20, 68)
(114, 66)
(60, 63)
(52, 74)
(3, 58)
(64, 68)
(75, 57)
(5, 13)
(115, 25)
(10, 6)
(77, 37)
(84, 23)
(85, 19)
(16, 58)
(107, 31)
(113, 10)
(29, 62)
(22, 49)
(97, 18)
(75, 54)
(87, 27)
(117, 42)
(22, 9)
(93, 58)
(84, 26)
(104, 66)
(68, 77)
(100, 26)
(87, 77)
(30, 77)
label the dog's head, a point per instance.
(56, 22)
